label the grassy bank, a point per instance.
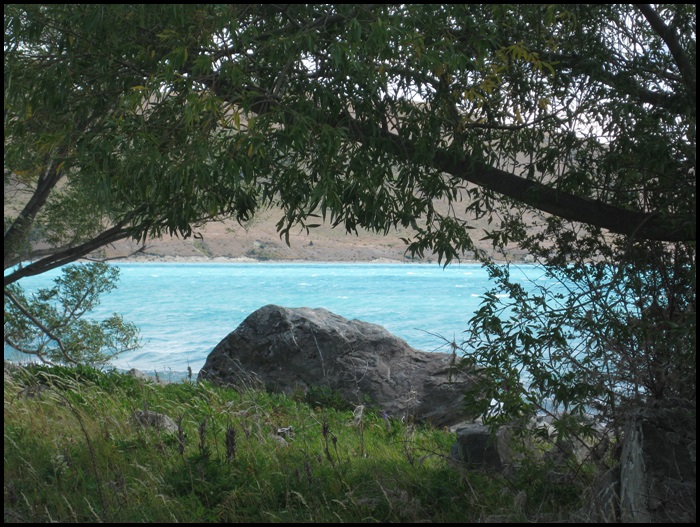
(74, 453)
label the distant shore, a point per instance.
(260, 242)
(248, 260)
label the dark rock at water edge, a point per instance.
(478, 447)
(287, 349)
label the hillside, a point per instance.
(259, 240)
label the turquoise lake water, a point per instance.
(184, 310)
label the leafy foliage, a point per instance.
(162, 117)
(51, 324)
(607, 337)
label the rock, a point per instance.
(160, 421)
(478, 447)
(144, 377)
(138, 374)
(289, 349)
(280, 441)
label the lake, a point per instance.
(185, 309)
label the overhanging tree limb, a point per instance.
(569, 206)
(54, 260)
(653, 225)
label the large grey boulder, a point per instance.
(289, 349)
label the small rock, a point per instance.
(160, 421)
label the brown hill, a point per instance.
(260, 241)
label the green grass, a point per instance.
(74, 454)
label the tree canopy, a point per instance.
(572, 127)
(134, 121)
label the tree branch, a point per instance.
(562, 204)
(121, 257)
(652, 226)
(674, 46)
(24, 221)
(41, 326)
(27, 351)
(612, 80)
(118, 232)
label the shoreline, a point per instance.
(259, 242)
(164, 259)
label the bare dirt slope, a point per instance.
(260, 241)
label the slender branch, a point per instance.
(295, 27)
(40, 253)
(40, 325)
(27, 351)
(674, 46)
(120, 257)
(612, 80)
